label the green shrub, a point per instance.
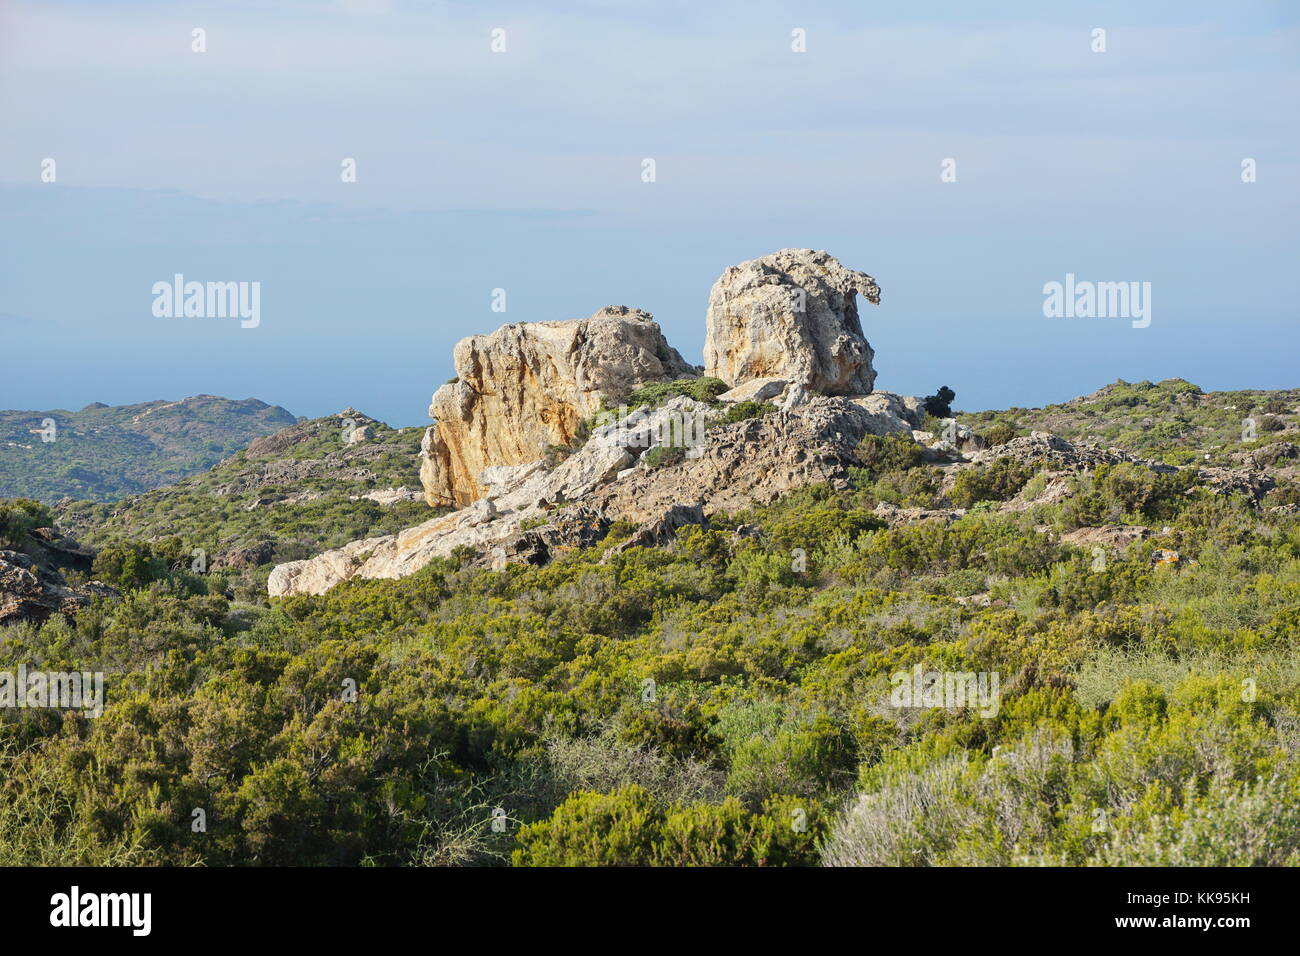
(741, 411)
(1116, 491)
(630, 828)
(998, 434)
(662, 455)
(129, 565)
(654, 394)
(880, 454)
(998, 481)
(18, 516)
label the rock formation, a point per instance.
(530, 385)
(791, 315)
(32, 586)
(783, 333)
(783, 330)
(532, 511)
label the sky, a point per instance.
(522, 169)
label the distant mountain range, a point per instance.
(103, 452)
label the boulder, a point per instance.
(791, 315)
(531, 385)
(317, 575)
(890, 413)
(32, 591)
(1115, 536)
(757, 390)
(249, 556)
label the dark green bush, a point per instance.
(998, 481)
(630, 828)
(653, 394)
(998, 434)
(881, 454)
(18, 516)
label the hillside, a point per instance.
(1171, 421)
(713, 686)
(287, 495)
(105, 452)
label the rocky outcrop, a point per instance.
(791, 315)
(890, 413)
(1253, 485)
(317, 575)
(533, 512)
(249, 556)
(389, 496)
(531, 385)
(752, 462)
(1116, 536)
(755, 390)
(895, 516)
(1045, 450)
(32, 586)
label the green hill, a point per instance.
(105, 452)
(1171, 421)
(288, 495)
(1034, 658)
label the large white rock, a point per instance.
(758, 390)
(791, 315)
(530, 385)
(891, 413)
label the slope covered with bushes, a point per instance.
(727, 698)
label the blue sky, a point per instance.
(522, 170)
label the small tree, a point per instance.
(940, 403)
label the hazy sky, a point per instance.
(522, 170)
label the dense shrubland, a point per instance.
(1171, 421)
(722, 700)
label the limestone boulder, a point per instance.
(890, 413)
(755, 390)
(791, 315)
(531, 385)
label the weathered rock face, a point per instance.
(32, 586)
(530, 385)
(751, 462)
(791, 315)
